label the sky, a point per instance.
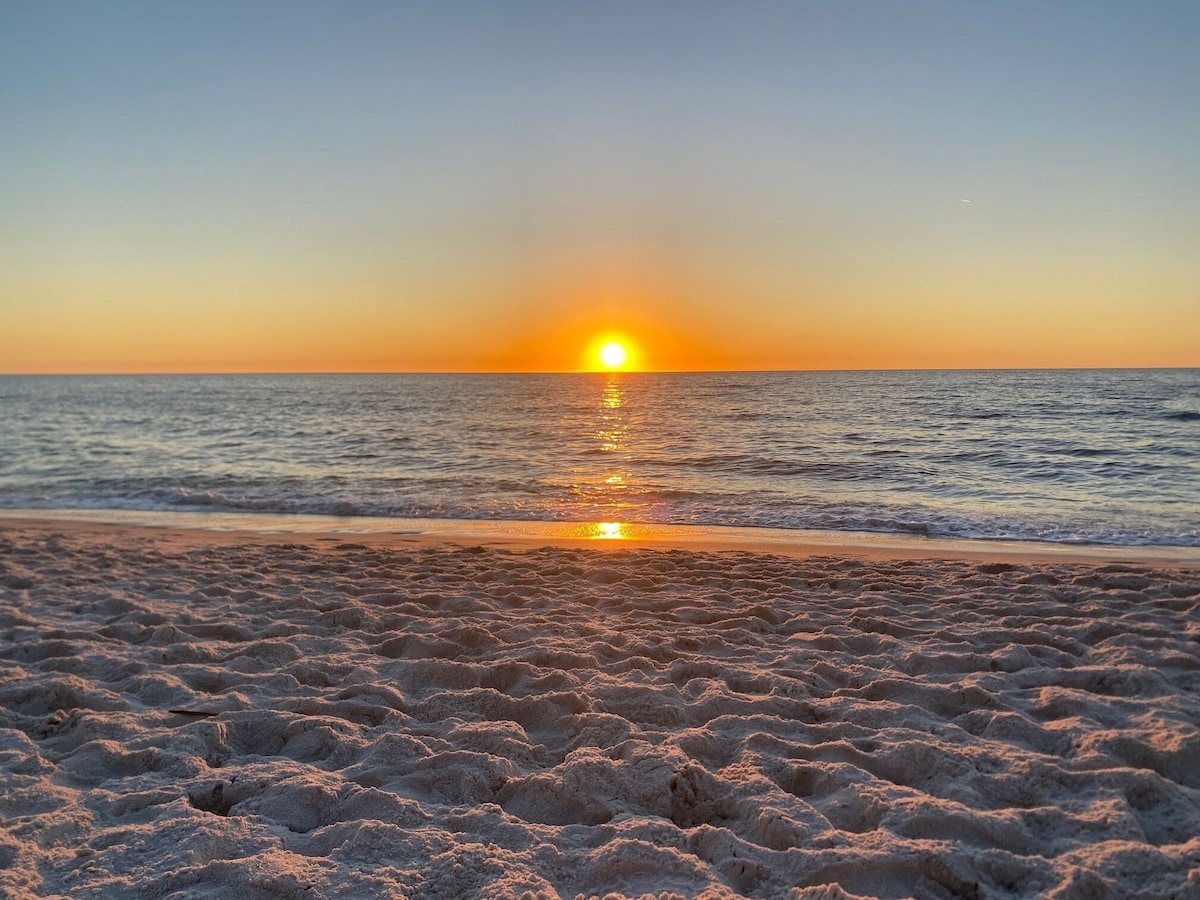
(500, 186)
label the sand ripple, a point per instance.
(322, 719)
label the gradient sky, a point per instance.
(494, 186)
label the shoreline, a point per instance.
(224, 527)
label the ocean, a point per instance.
(1086, 457)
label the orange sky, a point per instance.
(839, 323)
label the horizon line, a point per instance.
(295, 372)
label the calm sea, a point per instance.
(1066, 456)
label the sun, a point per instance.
(613, 355)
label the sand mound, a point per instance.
(307, 719)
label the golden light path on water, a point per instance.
(611, 436)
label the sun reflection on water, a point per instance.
(610, 480)
(612, 420)
(614, 394)
(609, 531)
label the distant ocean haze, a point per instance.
(1094, 456)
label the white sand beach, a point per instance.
(223, 715)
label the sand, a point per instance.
(186, 714)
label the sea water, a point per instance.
(1088, 456)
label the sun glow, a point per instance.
(613, 355)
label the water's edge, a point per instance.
(607, 535)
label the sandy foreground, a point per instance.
(221, 715)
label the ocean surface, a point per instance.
(1109, 457)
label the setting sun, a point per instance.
(613, 355)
